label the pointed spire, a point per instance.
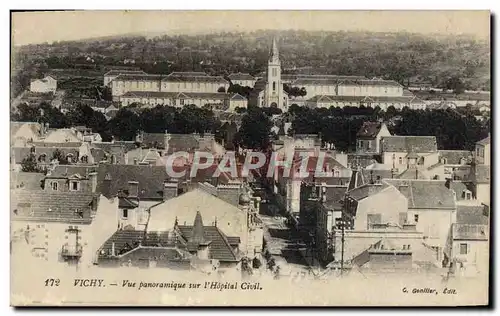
(198, 232)
(274, 54)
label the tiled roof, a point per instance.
(367, 190)
(470, 232)
(205, 79)
(369, 129)
(39, 205)
(116, 72)
(339, 81)
(241, 76)
(150, 178)
(453, 156)
(472, 214)
(363, 160)
(219, 248)
(304, 76)
(56, 145)
(153, 140)
(124, 241)
(133, 77)
(418, 144)
(414, 173)
(178, 95)
(23, 152)
(65, 171)
(334, 194)
(26, 180)
(485, 141)
(35, 127)
(425, 194)
(369, 174)
(188, 74)
(182, 142)
(366, 99)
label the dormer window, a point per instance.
(467, 195)
(74, 185)
(85, 159)
(54, 186)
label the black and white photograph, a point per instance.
(250, 158)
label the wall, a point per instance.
(434, 224)
(388, 202)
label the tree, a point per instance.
(456, 84)
(60, 157)
(29, 164)
(255, 130)
(221, 90)
(125, 125)
(240, 110)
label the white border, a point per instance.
(194, 4)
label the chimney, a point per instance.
(170, 189)
(447, 184)
(93, 181)
(106, 186)
(133, 189)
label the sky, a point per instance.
(74, 25)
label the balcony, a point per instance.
(71, 251)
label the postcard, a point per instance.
(250, 158)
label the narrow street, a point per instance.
(282, 240)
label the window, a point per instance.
(74, 186)
(275, 72)
(337, 173)
(125, 213)
(400, 160)
(274, 85)
(374, 219)
(182, 101)
(415, 217)
(464, 249)
(369, 144)
(54, 186)
(467, 195)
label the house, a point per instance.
(482, 151)
(468, 245)
(453, 164)
(71, 178)
(479, 180)
(233, 220)
(242, 79)
(183, 247)
(319, 206)
(396, 149)
(22, 133)
(47, 84)
(431, 208)
(151, 140)
(52, 226)
(369, 136)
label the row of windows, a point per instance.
(73, 186)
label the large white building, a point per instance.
(174, 82)
(328, 90)
(44, 85)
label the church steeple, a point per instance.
(274, 55)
